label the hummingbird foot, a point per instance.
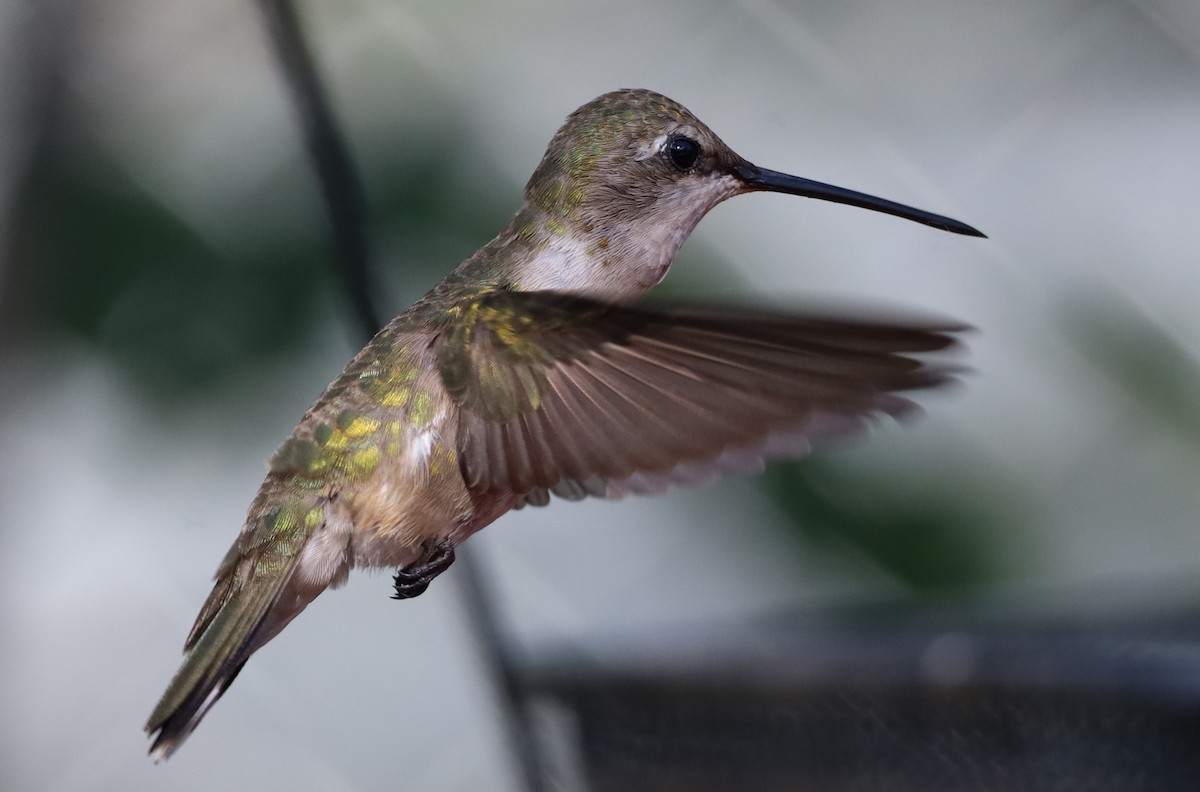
(412, 580)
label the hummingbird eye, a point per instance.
(682, 151)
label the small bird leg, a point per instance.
(413, 579)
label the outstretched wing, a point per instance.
(567, 395)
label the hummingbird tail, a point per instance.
(243, 622)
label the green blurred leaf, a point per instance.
(926, 535)
(1140, 358)
(112, 265)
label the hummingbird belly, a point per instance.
(415, 495)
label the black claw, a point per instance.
(412, 580)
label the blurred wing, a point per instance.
(569, 396)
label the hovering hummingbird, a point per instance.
(530, 372)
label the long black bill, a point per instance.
(757, 178)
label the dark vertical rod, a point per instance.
(346, 205)
(479, 596)
(341, 189)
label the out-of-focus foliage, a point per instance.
(1138, 358)
(103, 260)
(932, 536)
(113, 266)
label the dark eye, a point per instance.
(683, 152)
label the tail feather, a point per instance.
(213, 661)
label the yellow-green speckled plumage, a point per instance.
(368, 474)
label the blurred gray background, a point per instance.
(167, 312)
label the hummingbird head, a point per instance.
(633, 172)
(624, 182)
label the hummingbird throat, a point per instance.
(609, 251)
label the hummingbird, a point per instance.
(531, 372)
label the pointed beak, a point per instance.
(756, 178)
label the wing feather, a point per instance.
(567, 396)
